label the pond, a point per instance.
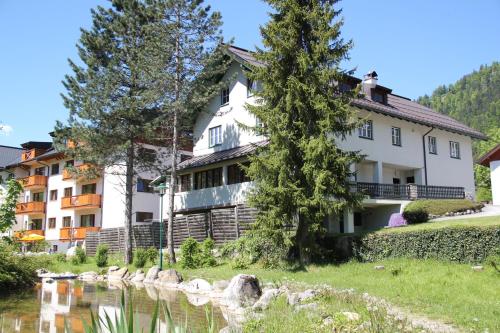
(47, 307)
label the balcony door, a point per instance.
(36, 224)
(89, 188)
(87, 220)
(38, 197)
(68, 192)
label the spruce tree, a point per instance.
(8, 207)
(115, 95)
(193, 75)
(302, 176)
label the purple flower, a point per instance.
(397, 220)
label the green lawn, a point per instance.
(448, 291)
(465, 222)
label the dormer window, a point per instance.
(224, 96)
(251, 87)
(378, 96)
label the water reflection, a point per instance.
(47, 307)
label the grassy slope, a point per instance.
(463, 222)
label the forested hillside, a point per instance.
(475, 101)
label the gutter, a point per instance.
(425, 155)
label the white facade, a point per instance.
(495, 181)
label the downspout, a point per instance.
(425, 155)
(46, 193)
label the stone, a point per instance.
(351, 316)
(478, 268)
(243, 291)
(48, 280)
(113, 268)
(197, 286)
(41, 271)
(131, 276)
(328, 321)
(296, 298)
(220, 285)
(152, 274)
(88, 276)
(138, 277)
(379, 267)
(118, 274)
(266, 298)
(170, 276)
(308, 307)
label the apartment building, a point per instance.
(63, 206)
(8, 155)
(411, 152)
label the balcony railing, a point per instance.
(21, 234)
(33, 207)
(409, 191)
(33, 181)
(76, 233)
(30, 154)
(67, 174)
(81, 201)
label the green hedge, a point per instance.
(441, 206)
(459, 244)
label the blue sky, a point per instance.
(414, 46)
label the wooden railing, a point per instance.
(67, 174)
(409, 191)
(76, 233)
(81, 201)
(32, 181)
(32, 207)
(30, 154)
(21, 234)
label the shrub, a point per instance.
(60, 257)
(190, 253)
(101, 255)
(152, 254)
(415, 215)
(141, 257)
(207, 258)
(483, 194)
(459, 244)
(16, 272)
(441, 207)
(80, 257)
(397, 220)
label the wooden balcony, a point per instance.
(35, 181)
(30, 208)
(67, 174)
(81, 201)
(21, 234)
(78, 233)
(409, 191)
(27, 155)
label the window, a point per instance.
(208, 178)
(54, 248)
(432, 145)
(366, 130)
(66, 221)
(54, 169)
(185, 183)
(36, 224)
(89, 188)
(1, 179)
(410, 180)
(224, 96)
(396, 136)
(53, 195)
(52, 222)
(68, 191)
(454, 149)
(236, 174)
(40, 171)
(251, 87)
(143, 185)
(87, 220)
(215, 136)
(143, 217)
(377, 96)
(259, 127)
(70, 163)
(38, 197)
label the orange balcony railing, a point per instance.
(33, 207)
(30, 154)
(33, 181)
(67, 174)
(81, 201)
(75, 233)
(21, 234)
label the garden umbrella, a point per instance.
(32, 238)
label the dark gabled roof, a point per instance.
(220, 156)
(492, 155)
(9, 155)
(397, 106)
(36, 144)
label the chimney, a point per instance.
(369, 82)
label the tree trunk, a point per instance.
(302, 237)
(129, 184)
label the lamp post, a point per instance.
(161, 189)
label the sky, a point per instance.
(414, 46)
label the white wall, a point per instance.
(495, 181)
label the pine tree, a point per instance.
(8, 207)
(301, 175)
(115, 97)
(193, 74)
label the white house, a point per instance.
(63, 206)
(8, 155)
(492, 160)
(411, 152)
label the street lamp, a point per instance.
(161, 189)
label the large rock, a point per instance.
(169, 278)
(152, 275)
(119, 274)
(112, 269)
(220, 285)
(139, 277)
(266, 298)
(296, 298)
(88, 276)
(197, 286)
(243, 291)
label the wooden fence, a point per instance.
(222, 225)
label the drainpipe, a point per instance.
(425, 157)
(46, 193)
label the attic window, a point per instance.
(378, 96)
